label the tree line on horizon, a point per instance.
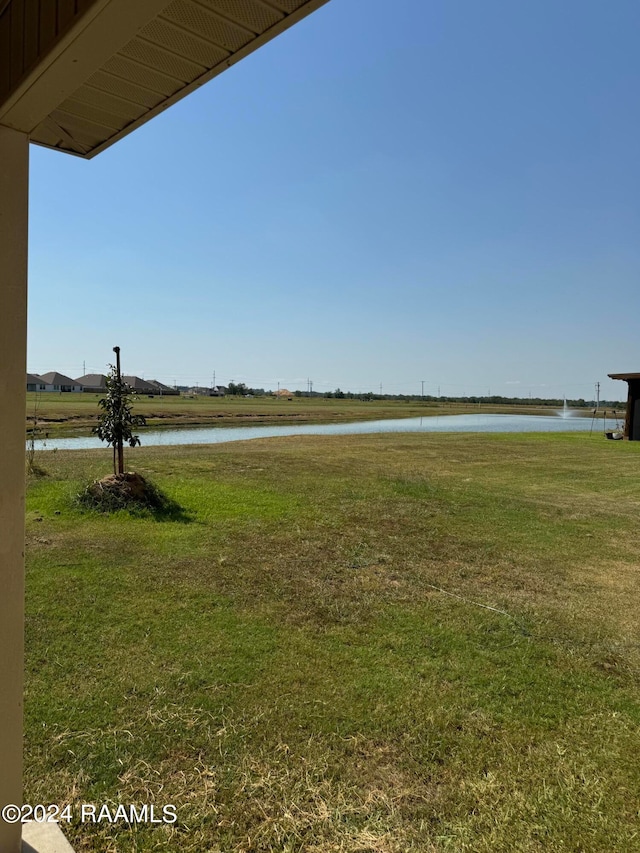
(240, 389)
(494, 399)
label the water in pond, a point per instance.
(440, 423)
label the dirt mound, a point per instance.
(128, 487)
(128, 491)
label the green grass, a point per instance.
(284, 664)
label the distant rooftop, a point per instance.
(55, 378)
(94, 380)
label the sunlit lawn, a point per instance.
(304, 662)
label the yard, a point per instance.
(379, 643)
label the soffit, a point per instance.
(181, 47)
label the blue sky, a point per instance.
(450, 195)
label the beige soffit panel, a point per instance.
(174, 51)
(103, 28)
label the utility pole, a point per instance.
(119, 444)
(597, 396)
(84, 368)
(381, 389)
(422, 382)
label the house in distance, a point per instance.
(150, 387)
(93, 383)
(55, 381)
(35, 382)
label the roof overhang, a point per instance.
(625, 376)
(78, 75)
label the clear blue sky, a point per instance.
(449, 195)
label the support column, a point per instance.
(14, 182)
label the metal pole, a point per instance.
(120, 446)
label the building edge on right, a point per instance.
(632, 417)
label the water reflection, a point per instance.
(440, 423)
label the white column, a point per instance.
(14, 181)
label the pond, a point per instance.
(440, 423)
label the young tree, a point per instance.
(117, 421)
(34, 433)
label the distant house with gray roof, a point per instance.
(149, 386)
(55, 381)
(140, 385)
(35, 382)
(164, 390)
(93, 383)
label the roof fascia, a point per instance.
(269, 34)
(105, 27)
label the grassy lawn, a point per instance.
(301, 661)
(68, 414)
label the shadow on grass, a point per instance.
(134, 495)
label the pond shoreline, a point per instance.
(80, 426)
(471, 423)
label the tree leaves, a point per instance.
(117, 421)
